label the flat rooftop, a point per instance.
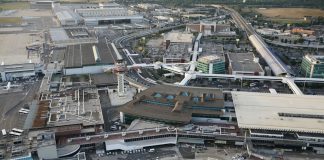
(179, 37)
(210, 59)
(279, 112)
(102, 79)
(71, 35)
(17, 67)
(175, 104)
(315, 59)
(244, 62)
(58, 34)
(83, 55)
(71, 110)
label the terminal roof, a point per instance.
(82, 55)
(282, 112)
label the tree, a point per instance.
(301, 40)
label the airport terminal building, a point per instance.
(174, 104)
(281, 120)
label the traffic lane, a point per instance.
(157, 154)
(105, 104)
(10, 117)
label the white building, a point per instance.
(279, 112)
(102, 12)
(16, 71)
(66, 16)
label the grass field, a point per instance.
(289, 14)
(14, 5)
(10, 20)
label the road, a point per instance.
(12, 102)
(109, 112)
(120, 43)
(275, 63)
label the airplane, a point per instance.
(9, 86)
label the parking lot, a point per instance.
(245, 85)
(141, 154)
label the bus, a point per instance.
(17, 130)
(15, 134)
(4, 133)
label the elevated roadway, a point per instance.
(290, 81)
(157, 134)
(276, 65)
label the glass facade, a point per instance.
(311, 69)
(217, 68)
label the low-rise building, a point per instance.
(244, 64)
(313, 66)
(211, 64)
(17, 71)
(302, 31)
(110, 15)
(66, 16)
(87, 59)
(178, 37)
(208, 28)
(148, 6)
(62, 37)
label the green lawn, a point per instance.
(14, 5)
(10, 20)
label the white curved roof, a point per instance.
(275, 64)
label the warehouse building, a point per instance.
(313, 66)
(66, 16)
(87, 59)
(211, 64)
(174, 104)
(244, 64)
(108, 15)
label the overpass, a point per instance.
(138, 139)
(195, 53)
(290, 81)
(160, 136)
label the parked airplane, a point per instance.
(9, 86)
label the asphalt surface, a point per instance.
(12, 102)
(109, 112)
